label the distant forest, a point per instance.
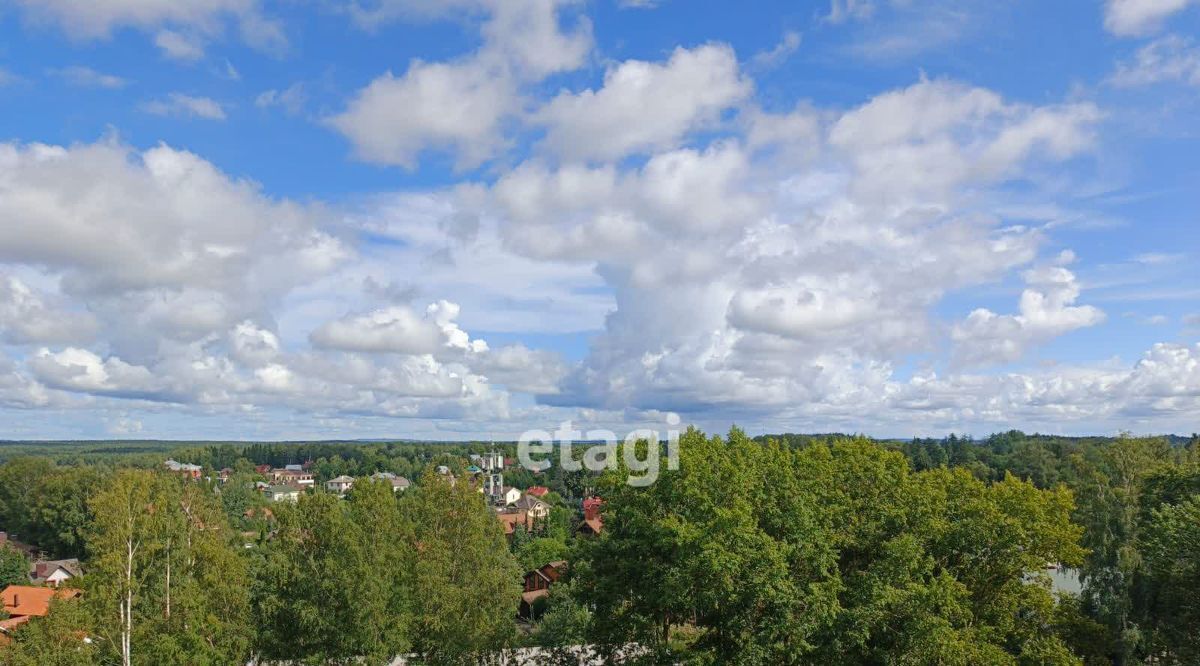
(777, 549)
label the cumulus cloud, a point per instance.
(26, 317)
(745, 278)
(157, 242)
(645, 106)
(82, 370)
(1046, 309)
(457, 107)
(1140, 17)
(702, 251)
(179, 104)
(460, 107)
(398, 329)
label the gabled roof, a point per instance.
(510, 520)
(529, 502)
(341, 479)
(537, 491)
(42, 570)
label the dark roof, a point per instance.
(42, 570)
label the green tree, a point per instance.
(164, 583)
(332, 585)
(465, 584)
(54, 640)
(1171, 544)
(14, 568)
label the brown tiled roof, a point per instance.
(26, 600)
(537, 491)
(511, 519)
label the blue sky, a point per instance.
(241, 219)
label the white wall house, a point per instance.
(340, 485)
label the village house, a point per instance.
(399, 483)
(537, 491)
(283, 493)
(510, 519)
(340, 484)
(54, 572)
(536, 508)
(537, 585)
(292, 474)
(22, 602)
(592, 523)
(186, 470)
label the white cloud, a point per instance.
(645, 106)
(1047, 311)
(82, 370)
(179, 104)
(178, 46)
(1168, 59)
(158, 242)
(777, 54)
(26, 318)
(456, 107)
(86, 77)
(398, 329)
(199, 19)
(841, 11)
(460, 107)
(290, 99)
(1140, 17)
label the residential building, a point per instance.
(592, 523)
(22, 602)
(537, 491)
(54, 572)
(340, 484)
(283, 493)
(186, 470)
(536, 508)
(537, 585)
(510, 519)
(399, 483)
(292, 474)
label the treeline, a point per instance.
(800, 550)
